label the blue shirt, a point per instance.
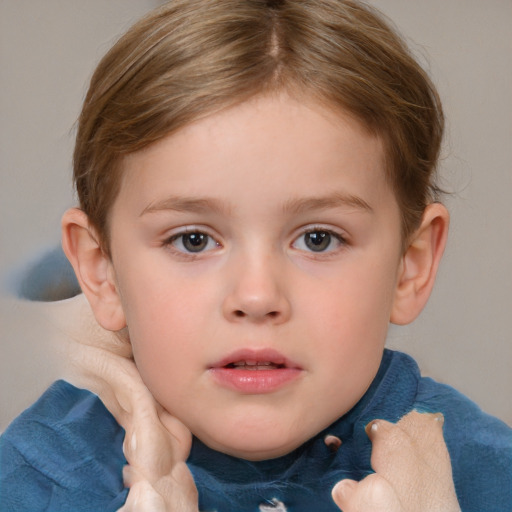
(65, 453)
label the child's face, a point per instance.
(264, 234)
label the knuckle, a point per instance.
(377, 495)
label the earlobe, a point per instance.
(419, 265)
(93, 269)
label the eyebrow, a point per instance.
(293, 206)
(335, 200)
(186, 204)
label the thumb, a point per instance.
(372, 494)
(343, 492)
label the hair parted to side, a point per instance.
(192, 58)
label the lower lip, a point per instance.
(254, 382)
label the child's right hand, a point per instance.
(412, 466)
(158, 478)
(156, 445)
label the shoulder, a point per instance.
(480, 447)
(64, 452)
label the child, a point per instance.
(257, 204)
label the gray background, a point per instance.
(47, 53)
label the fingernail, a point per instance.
(372, 428)
(438, 416)
(343, 488)
(339, 490)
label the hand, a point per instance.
(412, 467)
(156, 445)
(157, 475)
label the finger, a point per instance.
(178, 489)
(372, 494)
(148, 448)
(412, 456)
(389, 444)
(130, 476)
(181, 437)
(343, 493)
(175, 492)
(426, 432)
(155, 442)
(417, 435)
(142, 497)
(113, 377)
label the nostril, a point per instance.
(242, 314)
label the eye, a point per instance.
(319, 240)
(192, 242)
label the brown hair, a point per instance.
(192, 58)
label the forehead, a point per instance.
(267, 139)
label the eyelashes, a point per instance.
(314, 240)
(192, 242)
(319, 240)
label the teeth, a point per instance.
(255, 365)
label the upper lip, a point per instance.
(254, 356)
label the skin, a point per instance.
(257, 182)
(413, 472)
(327, 311)
(412, 465)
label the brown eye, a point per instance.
(195, 242)
(317, 241)
(192, 242)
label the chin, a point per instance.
(256, 444)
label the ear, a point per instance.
(419, 265)
(93, 269)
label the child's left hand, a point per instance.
(412, 466)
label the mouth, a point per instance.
(255, 371)
(256, 359)
(255, 365)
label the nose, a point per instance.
(257, 292)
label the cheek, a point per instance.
(160, 301)
(167, 350)
(165, 320)
(166, 328)
(348, 317)
(354, 297)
